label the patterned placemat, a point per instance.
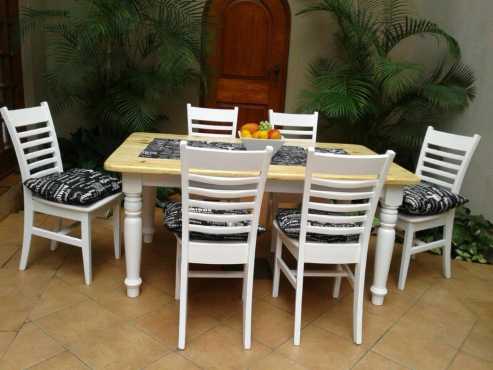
(288, 155)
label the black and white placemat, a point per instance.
(288, 155)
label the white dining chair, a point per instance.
(443, 161)
(212, 122)
(222, 208)
(296, 127)
(331, 232)
(36, 145)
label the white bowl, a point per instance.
(251, 143)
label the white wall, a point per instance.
(471, 22)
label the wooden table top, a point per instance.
(126, 160)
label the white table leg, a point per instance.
(149, 197)
(132, 187)
(391, 200)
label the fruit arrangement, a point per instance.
(263, 130)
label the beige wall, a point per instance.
(471, 22)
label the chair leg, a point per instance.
(58, 227)
(336, 292)
(406, 256)
(177, 271)
(27, 236)
(298, 302)
(183, 302)
(274, 206)
(86, 249)
(245, 283)
(447, 248)
(247, 308)
(359, 286)
(116, 230)
(277, 269)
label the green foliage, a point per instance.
(382, 101)
(117, 61)
(472, 237)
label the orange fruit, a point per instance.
(263, 135)
(252, 127)
(256, 135)
(274, 134)
(246, 133)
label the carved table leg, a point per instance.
(132, 187)
(392, 199)
(149, 197)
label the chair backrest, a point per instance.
(296, 127)
(34, 139)
(215, 122)
(234, 201)
(340, 197)
(445, 157)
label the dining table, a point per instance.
(142, 173)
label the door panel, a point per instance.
(248, 55)
(11, 84)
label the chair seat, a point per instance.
(83, 209)
(173, 221)
(76, 187)
(420, 219)
(289, 221)
(426, 200)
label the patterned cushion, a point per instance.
(78, 187)
(426, 199)
(289, 221)
(172, 220)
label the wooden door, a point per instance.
(248, 46)
(11, 85)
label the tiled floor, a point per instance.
(50, 320)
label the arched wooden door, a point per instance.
(248, 47)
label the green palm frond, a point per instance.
(389, 12)
(411, 27)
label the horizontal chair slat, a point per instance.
(29, 133)
(297, 132)
(344, 184)
(40, 153)
(335, 230)
(224, 194)
(224, 180)
(450, 166)
(212, 127)
(447, 175)
(435, 181)
(340, 195)
(339, 207)
(38, 142)
(219, 230)
(443, 154)
(220, 218)
(335, 219)
(220, 206)
(43, 162)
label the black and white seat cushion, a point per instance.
(289, 221)
(426, 200)
(78, 187)
(173, 221)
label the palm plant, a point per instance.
(116, 61)
(381, 100)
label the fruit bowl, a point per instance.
(251, 143)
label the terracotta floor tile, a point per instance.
(374, 361)
(480, 341)
(7, 251)
(173, 361)
(6, 338)
(321, 349)
(411, 345)
(14, 310)
(163, 324)
(222, 348)
(57, 295)
(31, 282)
(29, 347)
(69, 324)
(339, 320)
(275, 361)
(62, 361)
(270, 325)
(464, 361)
(119, 347)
